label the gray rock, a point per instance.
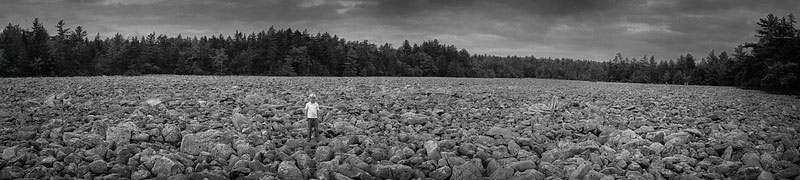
(9, 153)
(514, 148)
(240, 121)
(522, 165)
(467, 171)
(394, 171)
(679, 158)
(414, 118)
(622, 137)
(502, 132)
(580, 172)
(222, 151)
(751, 159)
(171, 133)
(140, 175)
(441, 173)
(765, 175)
(323, 153)
(165, 166)
(677, 138)
(502, 174)
(528, 174)
(288, 170)
(98, 167)
(121, 134)
(203, 141)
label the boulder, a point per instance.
(288, 170)
(140, 175)
(528, 174)
(121, 134)
(222, 151)
(240, 121)
(98, 166)
(502, 174)
(165, 166)
(442, 173)
(203, 141)
(623, 137)
(522, 165)
(467, 171)
(414, 118)
(323, 153)
(502, 132)
(393, 171)
(171, 133)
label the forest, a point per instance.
(770, 64)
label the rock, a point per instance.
(748, 173)
(393, 171)
(502, 132)
(502, 174)
(210, 175)
(791, 155)
(788, 172)
(726, 168)
(140, 175)
(288, 170)
(467, 171)
(694, 131)
(165, 166)
(323, 153)
(222, 151)
(765, 176)
(656, 147)
(240, 121)
(243, 148)
(171, 133)
(121, 134)
(153, 102)
(432, 149)
(528, 174)
(767, 160)
(441, 173)
(25, 135)
(514, 148)
(342, 127)
(9, 153)
(677, 138)
(401, 154)
(98, 167)
(193, 144)
(679, 158)
(522, 165)
(411, 118)
(580, 172)
(751, 159)
(622, 137)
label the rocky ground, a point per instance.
(190, 127)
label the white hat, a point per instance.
(312, 95)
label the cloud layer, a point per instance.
(583, 29)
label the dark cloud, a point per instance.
(586, 29)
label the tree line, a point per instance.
(770, 64)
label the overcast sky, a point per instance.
(582, 29)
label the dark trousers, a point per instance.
(312, 127)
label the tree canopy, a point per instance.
(770, 64)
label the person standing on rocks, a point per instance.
(312, 110)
